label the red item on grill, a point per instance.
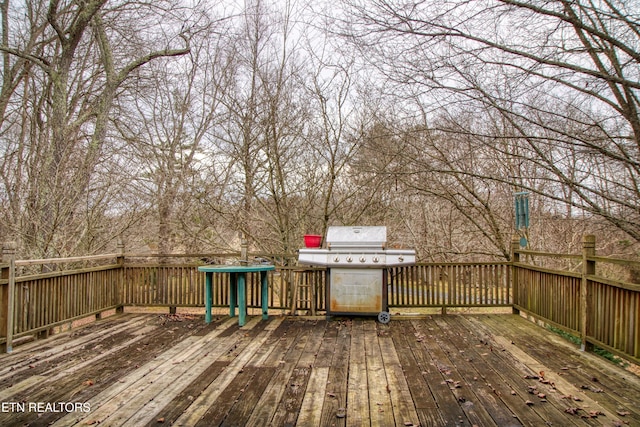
(312, 240)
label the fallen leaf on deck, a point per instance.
(88, 382)
(160, 420)
(572, 411)
(623, 413)
(593, 389)
(568, 396)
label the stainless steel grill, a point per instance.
(356, 257)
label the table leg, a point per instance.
(264, 282)
(207, 297)
(242, 299)
(233, 294)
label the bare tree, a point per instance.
(561, 74)
(168, 140)
(63, 71)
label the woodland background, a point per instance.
(177, 126)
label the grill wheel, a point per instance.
(384, 317)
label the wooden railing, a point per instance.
(34, 303)
(603, 312)
(181, 285)
(450, 285)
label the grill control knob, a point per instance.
(400, 258)
(363, 259)
(336, 259)
(349, 259)
(375, 259)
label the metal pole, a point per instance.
(515, 258)
(244, 246)
(588, 268)
(120, 291)
(9, 256)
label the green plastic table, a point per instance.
(238, 289)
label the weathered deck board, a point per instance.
(425, 404)
(136, 369)
(600, 387)
(499, 378)
(357, 410)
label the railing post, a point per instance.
(515, 258)
(7, 301)
(121, 276)
(588, 268)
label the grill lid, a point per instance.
(356, 237)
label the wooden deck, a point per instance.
(459, 370)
